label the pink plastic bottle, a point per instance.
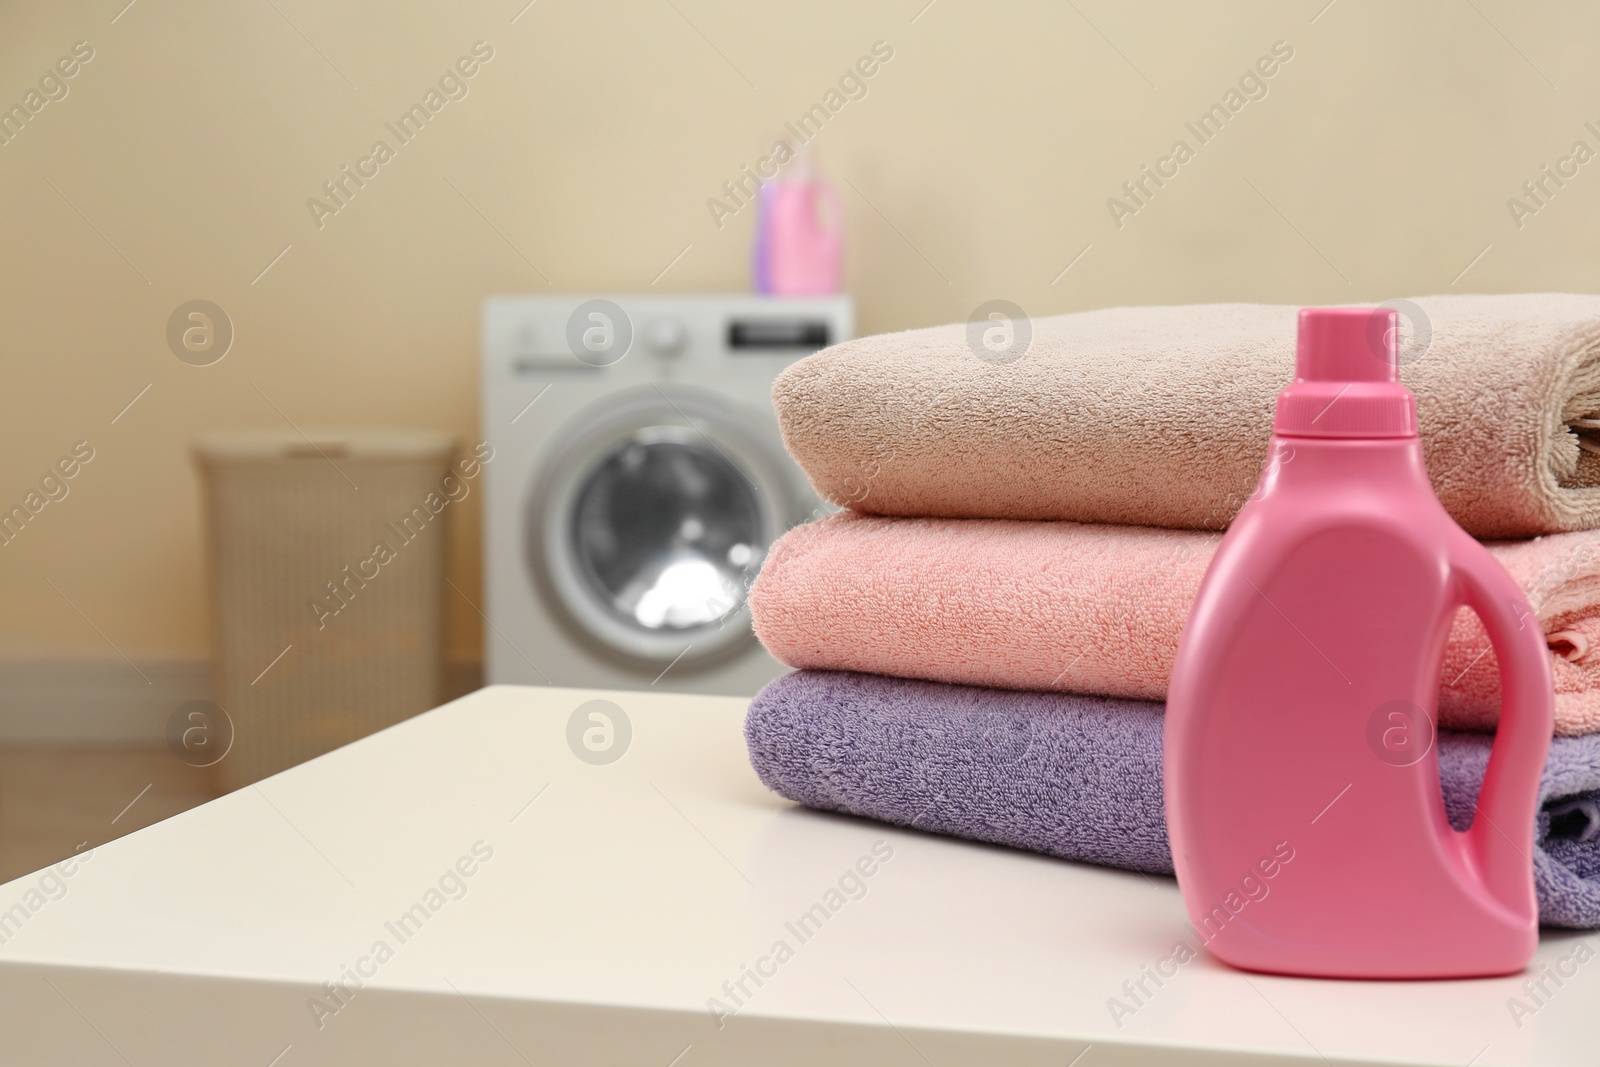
(798, 242)
(1302, 784)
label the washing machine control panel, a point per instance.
(535, 336)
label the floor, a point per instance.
(54, 799)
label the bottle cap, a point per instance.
(1347, 345)
(1347, 377)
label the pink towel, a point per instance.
(1098, 609)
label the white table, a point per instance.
(621, 899)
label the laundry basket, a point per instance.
(327, 554)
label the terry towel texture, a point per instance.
(1080, 777)
(1099, 609)
(1160, 416)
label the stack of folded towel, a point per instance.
(985, 636)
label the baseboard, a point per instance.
(93, 702)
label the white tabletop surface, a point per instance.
(618, 903)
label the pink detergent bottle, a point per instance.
(799, 238)
(1302, 783)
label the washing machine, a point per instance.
(637, 482)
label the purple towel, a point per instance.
(1080, 777)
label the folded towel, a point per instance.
(1080, 777)
(1160, 416)
(1099, 609)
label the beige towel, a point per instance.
(1160, 416)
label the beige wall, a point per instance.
(980, 163)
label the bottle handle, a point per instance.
(1501, 837)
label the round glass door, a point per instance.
(664, 531)
(648, 526)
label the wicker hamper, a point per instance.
(320, 635)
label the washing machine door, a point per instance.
(646, 528)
